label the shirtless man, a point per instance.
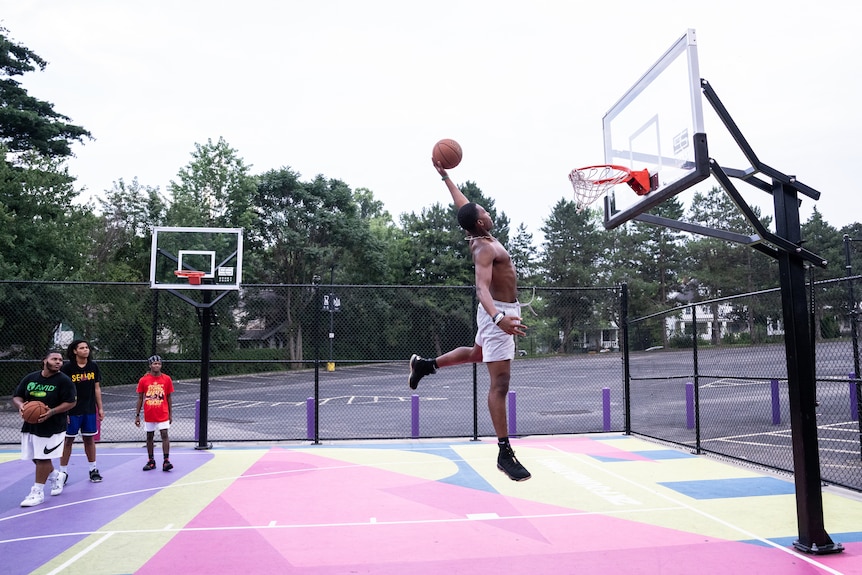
(498, 319)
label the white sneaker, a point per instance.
(36, 497)
(59, 482)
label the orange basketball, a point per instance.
(447, 152)
(33, 410)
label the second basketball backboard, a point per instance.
(215, 253)
(658, 125)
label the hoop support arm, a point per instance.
(746, 149)
(751, 217)
(198, 304)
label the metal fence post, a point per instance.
(624, 325)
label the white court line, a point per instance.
(296, 526)
(733, 382)
(482, 516)
(700, 512)
(373, 521)
(759, 444)
(177, 486)
(81, 553)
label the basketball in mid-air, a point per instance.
(447, 152)
(33, 410)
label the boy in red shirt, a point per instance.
(154, 395)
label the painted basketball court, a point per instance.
(605, 503)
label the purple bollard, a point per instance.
(414, 415)
(513, 426)
(197, 419)
(606, 408)
(854, 399)
(776, 404)
(689, 405)
(309, 418)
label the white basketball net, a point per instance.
(593, 182)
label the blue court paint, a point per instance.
(654, 455)
(735, 487)
(606, 459)
(664, 454)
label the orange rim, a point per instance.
(639, 180)
(193, 276)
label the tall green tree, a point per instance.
(831, 299)
(44, 233)
(45, 238)
(723, 268)
(215, 189)
(525, 255)
(129, 212)
(28, 124)
(572, 248)
(573, 245)
(647, 257)
(309, 230)
(384, 233)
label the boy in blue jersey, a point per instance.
(84, 418)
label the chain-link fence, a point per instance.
(712, 376)
(275, 348)
(320, 362)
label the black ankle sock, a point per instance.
(503, 442)
(433, 363)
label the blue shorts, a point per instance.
(86, 424)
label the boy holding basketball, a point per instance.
(498, 319)
(42, 441)
(154, 395)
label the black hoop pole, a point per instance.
(206, 336)
(801, 376)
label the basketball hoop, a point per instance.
(592, 182)
(193, 276)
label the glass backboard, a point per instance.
(658, 125)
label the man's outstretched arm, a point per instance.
(459, 198)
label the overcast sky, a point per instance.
(360, 90)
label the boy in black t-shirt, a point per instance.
(41, 441)
(87, 414)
